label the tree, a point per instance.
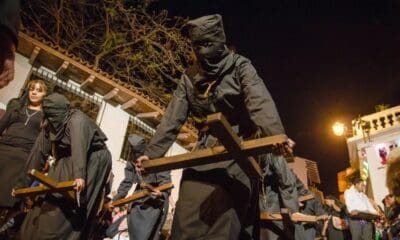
(146, 50)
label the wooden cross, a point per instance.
(48, 185)
(142, 194)
(233, 148)
(287, 217)
(306, 197)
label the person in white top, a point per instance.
(356, 202)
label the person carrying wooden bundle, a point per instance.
(146, 216)
(280, 191)
(77, 148)
(216, 200)
(310, 205)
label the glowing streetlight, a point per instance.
(339, 129)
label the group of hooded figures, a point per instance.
(216, 201)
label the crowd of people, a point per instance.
(40, 130)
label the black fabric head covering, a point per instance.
(138, 144)
(56, 109)
(213, 58)
(207, 28)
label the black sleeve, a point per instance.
(175, 116)
(9, 18)
(287, 180)
(259, 102)
(79, 131)
(37, 158)
(5, 121)
(127, 183)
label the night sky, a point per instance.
(322, 61)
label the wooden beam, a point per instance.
(221, 128)
(86, 84)
(306, 197)
(48, 186)
(129, 104)
(62, 68)
(211, 155)
(294, 217)
(45, 180)
(34, 54)
(30, 191)
(141, 194)
(111, 94)
(270, 216)
(148, 115)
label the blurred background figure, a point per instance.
(9, 26)
(336, 227)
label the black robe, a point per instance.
(218, 200)
(81, 153)
(16, 141)
(281, 191)
(146, 216)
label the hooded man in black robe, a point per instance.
(146, 216)
(78, 148)
(217, 200)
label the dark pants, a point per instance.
(275, 230)
(216, 205)
(361, 230)
(146, 219)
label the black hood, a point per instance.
(138, 144)
(208, 40)
(56, 109)
(208, 28)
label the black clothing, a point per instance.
(280, 192)
(242, 97)
(208, 28)
(315, 208)
(220, 81)
(80, 152)
(146, 216)
(310, 207)
(16, 141)
(9, 18)
(13, 130)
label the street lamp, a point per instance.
(339, 129)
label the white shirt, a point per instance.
(356, 200)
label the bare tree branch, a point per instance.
(145, 50)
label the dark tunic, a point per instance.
(16, 142)
(310, 207)
(281, 191)
(146, 216)
(218, 200)
(315, 208)
(81, 153)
